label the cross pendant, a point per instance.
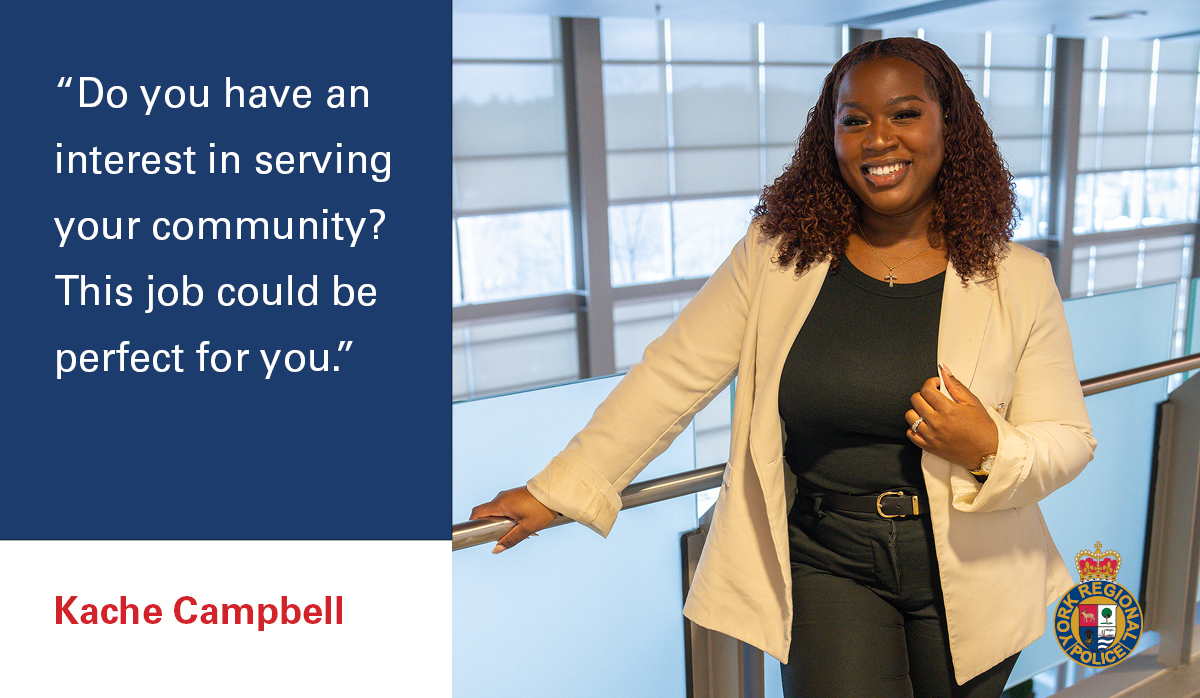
(891, 279)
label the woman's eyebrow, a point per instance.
(890, 102)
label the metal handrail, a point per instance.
(1121, 379)
(478, 532)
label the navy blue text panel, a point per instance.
(225, 271)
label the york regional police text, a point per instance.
(187, 610)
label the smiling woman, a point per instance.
(872, 492)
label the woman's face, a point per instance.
(888, 136)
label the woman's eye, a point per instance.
(908, 114)
(853, 121)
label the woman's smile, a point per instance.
(885, 174)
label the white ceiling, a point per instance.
(1163, 18)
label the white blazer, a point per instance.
(1005, 338)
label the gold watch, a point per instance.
(985, 466)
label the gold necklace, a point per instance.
(891, 276)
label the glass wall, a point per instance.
(698, 116)
(511, 228)
(1138, 161)
(513, 354)
(512, 232)
(567, 607)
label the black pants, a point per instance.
(868, 616)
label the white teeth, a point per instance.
(884, 170)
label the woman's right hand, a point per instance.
(519, 506)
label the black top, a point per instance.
(863, 351)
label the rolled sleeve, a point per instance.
(577, 492)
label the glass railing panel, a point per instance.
(567, 608)
(1108, 502)
(1192, 345)
(571, 579)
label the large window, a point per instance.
(511, 230)
(1138, 161)
(696, 117)
(512, 234)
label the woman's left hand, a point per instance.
(958, 430)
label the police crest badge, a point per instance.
(1098, 622)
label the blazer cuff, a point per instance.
(1009, 470)
(577, 492)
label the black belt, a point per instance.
(889, 505)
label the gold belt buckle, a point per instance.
(879, 505)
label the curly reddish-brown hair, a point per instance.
(813, 211)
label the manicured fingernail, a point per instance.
(946, 370)
(498, 549)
